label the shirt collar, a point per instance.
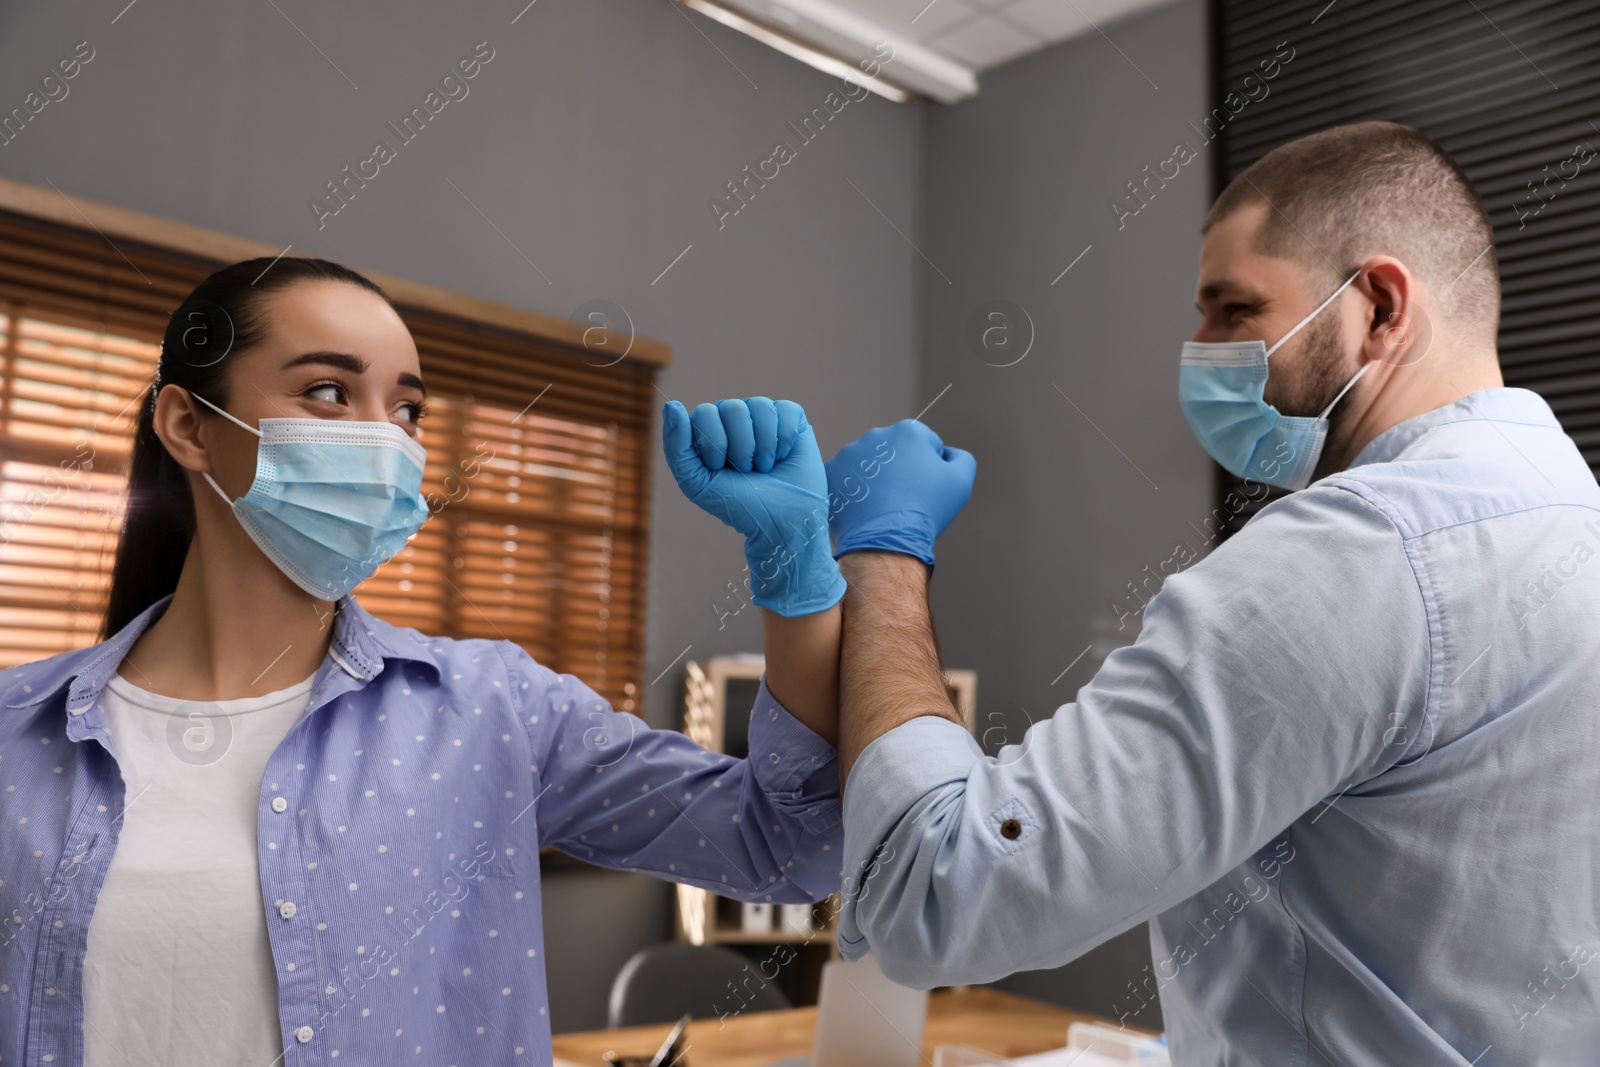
(367, 640)
(1495, 405)
(361, 642)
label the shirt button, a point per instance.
(287, 909)
(1011, 829)
(304, 1034)
(280, 805)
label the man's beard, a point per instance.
(1318, 376)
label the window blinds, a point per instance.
(537, 474)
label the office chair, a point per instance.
(663, 982)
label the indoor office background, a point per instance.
(581, 167)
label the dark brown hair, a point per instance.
(1341, 195)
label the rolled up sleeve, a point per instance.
(796, 769)
(927, 762)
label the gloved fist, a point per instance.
(896, 488)
(755, 465)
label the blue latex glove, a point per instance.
(755, 465)
(896, 488)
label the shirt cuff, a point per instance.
(891, 781)
(789, 760)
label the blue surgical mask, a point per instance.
(332, 500)
(1222, 386)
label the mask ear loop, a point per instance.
(1307, 320)
(226, 499)
(1364, 368)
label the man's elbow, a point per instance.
(909, 970)
(920, 952)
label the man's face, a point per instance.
(1247, 296)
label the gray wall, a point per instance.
(1074, 497)
(593, 140)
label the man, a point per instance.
(1348, 767)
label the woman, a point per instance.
(256, 824)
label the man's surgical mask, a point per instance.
(1222, 387)
(332, 499)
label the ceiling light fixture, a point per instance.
(835, 40)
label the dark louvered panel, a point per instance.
(1511, 88)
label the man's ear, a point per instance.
(177, 423)
(1400, 330)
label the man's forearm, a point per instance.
(803, 667)
(889, 666)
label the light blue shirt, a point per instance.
(1349, 769)
(461, 759)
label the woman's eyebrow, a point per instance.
(342, 360)
(406, 378)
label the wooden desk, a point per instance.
(983, 1018)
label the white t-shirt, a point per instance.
(178, 970)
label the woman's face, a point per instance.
(329, 350)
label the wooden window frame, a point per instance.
(171, 257)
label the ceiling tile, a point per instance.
(1060, 19)
(1055, 19)
(943, 15)
(916, 19)
(977, 33)
(984, 42)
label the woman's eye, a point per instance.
(328, 391)
(412, 412)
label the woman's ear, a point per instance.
(1400, 331)
(178, 424)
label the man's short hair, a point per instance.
(1343, 194)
